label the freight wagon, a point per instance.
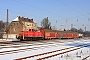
(54, 34)
(47, 34)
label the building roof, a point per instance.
(23, 19)
(16, 19)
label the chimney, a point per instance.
(31, 20)
(18, 17)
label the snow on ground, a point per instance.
(39, 47)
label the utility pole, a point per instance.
(85, 28)
(23, 29)
(7, 22)
(71, 26)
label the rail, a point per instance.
(86, 57)
(23, 49)
(75, 48)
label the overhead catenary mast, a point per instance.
(7, 21)
(71, 26)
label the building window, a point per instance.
(14, 24)
(32, 24)
(17, 23)
(27, 24)
(14, 29)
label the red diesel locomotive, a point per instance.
(30, 35)
(46, 34)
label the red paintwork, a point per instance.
(30, 33)
(69, 35)
(48, 34)
(59, 34)
(26, 33)
(75, 35)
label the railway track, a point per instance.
(56, 52)
(17, 47)
(86, 57)
(27, 47)
(25, 43)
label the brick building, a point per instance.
(19, 24)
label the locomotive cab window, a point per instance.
(29, 29)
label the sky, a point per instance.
(61, 13)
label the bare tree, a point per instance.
(2, 28)
(74, 30)
(2, 25)
(46, 24)
(64, 29)
(80, 30)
